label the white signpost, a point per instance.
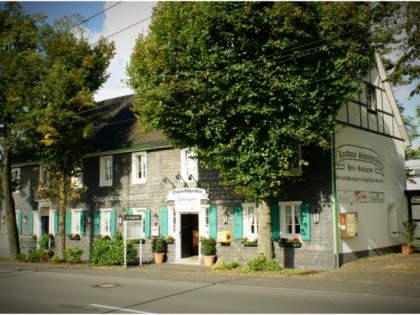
(133, 230)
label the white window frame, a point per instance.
(51, 223)
(105, 179)
(171, 221)
(284, 208)
(16, 178)
(140, 211)
(371, 97)
(138, 169)
(250, 221)
(75, 227)
(189, 165)
(105, 221)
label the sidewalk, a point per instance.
(388, 270)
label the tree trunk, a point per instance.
(265, 244)
(9, 203)
(62, 212)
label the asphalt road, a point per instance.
(31, 288)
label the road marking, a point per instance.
(120, 309)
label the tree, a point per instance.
(74, 70)
(20, 71)
(48, 77)
(247, 84)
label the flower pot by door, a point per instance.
(407, 249)
(209, 260)
(159, 257)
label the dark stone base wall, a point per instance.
(349, 257)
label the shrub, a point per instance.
(55, 259)
(73, 255)
(21, 257)
(260, 263)
(111, 252)
(220, 265)
(208, 246)
(44, 241)
(37, 255)
(159, 245)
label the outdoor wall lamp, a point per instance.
(155, 219)
(25, 219)
(166, 179)
(191, 177)
(179, 177)
(89, 219)
(3, 219)
(120, 219)
(316, 216)
(225, 217)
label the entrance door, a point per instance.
(45, 224)
(189, 235)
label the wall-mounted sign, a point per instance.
(187, 199)
(358, 159)
(122, 197)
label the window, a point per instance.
(43, 175)
(77, 179)
(291, 218)
(371, 98)
(189, 165)
(105, 225)
(138, 168)
(105, 171)
(250, 223)
(140, 211)
(15, 179)
(76, 226)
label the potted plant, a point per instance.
(410, 228)
(159, 247)
(169, 239)
(208, 250)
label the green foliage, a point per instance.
(111, 252)
(410, 231)
(44, 241)
(260, 263)
(220, 265)
(21, 257)
(73, 255)
(159, 245)
(248, 84)
(208, 246)
(36, 255)
(55, 259)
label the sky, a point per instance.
(129, 19)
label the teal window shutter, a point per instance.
(82, 222)
(31, 222)
(19, 222)
(97, 222)
(213, 221)
(113, 223)
(237, 222)
(275, 221)
(56, 222)
(305, 230)
(147, 223)
(68, 222)
(164, 222)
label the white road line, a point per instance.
(119, 309)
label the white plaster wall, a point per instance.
(373, 218)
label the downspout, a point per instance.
(336, 232)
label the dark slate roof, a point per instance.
(118, 127)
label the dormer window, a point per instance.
(371, 98)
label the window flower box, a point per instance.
(169, 239)
(74, 237)
(249, 243)
(293, 242)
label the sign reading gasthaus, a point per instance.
(187, 199)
